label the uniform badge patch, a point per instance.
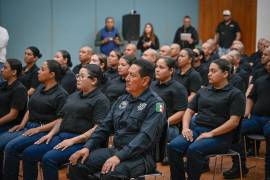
(141, 106)
(123, 104)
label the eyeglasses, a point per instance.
(82, 76)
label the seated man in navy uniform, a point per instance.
(137, 120)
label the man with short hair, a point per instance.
(85, 55)
(186, 35)
(130, 50)
(165, 51)
(244, 59)
(236, 60)
(150, 55)
(108, 38)
(4, 37)
(137, 120)
(256, 56)
(227, 31)
(175, 50)
(209, 57)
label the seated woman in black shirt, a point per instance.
(68, 81)
(219, 108)
(75, 125)
(29, 76)
(117, 86)
(186, 75)
(148, 39)
(13, 95)
(100, 60)
(172, 92)
(198, 65)
(40, 117)
(112, 63)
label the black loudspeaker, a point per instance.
(131, 27)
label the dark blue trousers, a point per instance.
(195, 152)
(7, 137)
(255, 125)
(124, 171)
(50, 158)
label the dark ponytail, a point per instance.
(67, 56)
(35, 51)
(55, 67)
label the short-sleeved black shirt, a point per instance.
(13, 96)
(69, 82)
(173, 94)
(81, 112)
(191, 80)
(115, 88)
(238, 82)
(260, 96)
(111, 74)
(44, 106)
(203, 70)
(215, 106)
(77, 68)
(227, 33)
(258, 71)
(30, 77)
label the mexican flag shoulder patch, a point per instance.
(159, 107)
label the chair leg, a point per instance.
(245, 146)
(240, 166)
(221, 163)
(215, 168)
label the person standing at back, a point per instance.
(149, 39)
(227, 31)
(108, 38)
(186, 36)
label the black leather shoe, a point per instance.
(234, 172)
(165, 161)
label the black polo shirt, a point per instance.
(203, 70)
(30, 77)
(69, 82)
(215, 106)
(244, 75)
(244, 64)
(77, 68)
(115, 88)
(191, 80)
(111, 74)
(255, 57)
(238, 82)
(208, 61)
(258, 71)
(44, 105)
(227, 33)
(260, 96)
(13, 96)
(88, 110)
(173, 94)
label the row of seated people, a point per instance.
(54, 126)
